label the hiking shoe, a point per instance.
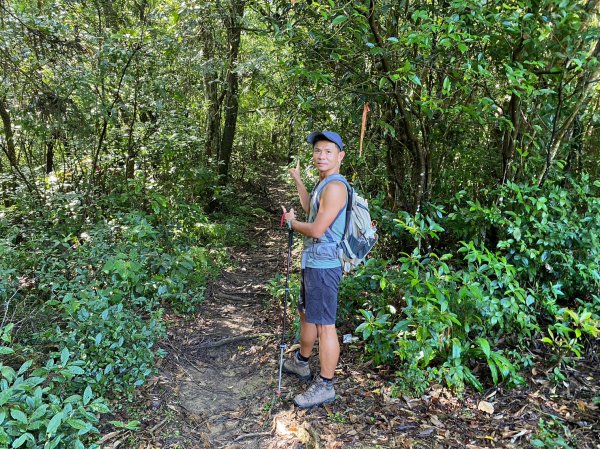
(320, 392)
(297, 367)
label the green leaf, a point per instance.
(415, 79)
(39, 412)
(5, 336)
(77, 423)
(485, 346)
(447, 85)
(76, 370)
(8, 373)
(64, 356)
(470, 377)
(6, 350)
(24, 367)
(33, 381)
(339, 20)
(54, 442)
(517, 234)
(456, 349)
(19, 415)
(54, 423)
(131, 425)
(99, 406)
(19, 441)
(5, 396)
(382, 283)
(87, 395)
(87, 429)
(494, 371)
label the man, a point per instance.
(321, 268)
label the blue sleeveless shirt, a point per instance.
(324, 252)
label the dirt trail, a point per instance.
(221, 374)
(217, 386)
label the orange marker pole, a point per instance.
(363, 127)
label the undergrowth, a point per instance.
(479, 286)
(83, 304)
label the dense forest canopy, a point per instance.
(131, 129)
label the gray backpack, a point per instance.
(360, 232)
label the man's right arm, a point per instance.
(302, 192)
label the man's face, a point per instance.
(326, 155)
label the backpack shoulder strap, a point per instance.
(349, 199)
(316, 194)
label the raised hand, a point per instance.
(295, 172)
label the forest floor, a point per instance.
(216, 388)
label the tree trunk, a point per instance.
(583, 89)
(231, 112)
(9, 149)
(234, 31)
(50, 151)
(211, 90)
(510, 135)
(131, 151)
(576, 147)
(213, 117)
(405, 129)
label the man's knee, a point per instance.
(326, 329)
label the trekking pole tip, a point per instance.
(278, 393)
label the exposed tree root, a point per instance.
(230, 340)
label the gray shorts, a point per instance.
(318, 294)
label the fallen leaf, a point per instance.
(516, 435)
(281, 428)
(485, 407)
(426, 432)
(293, 348)
(435, 421)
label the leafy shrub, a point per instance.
(102, 289)
(523, 265)
(549, 234)
(553, 433)
(39, 409)
(443, 320)
(114, 344)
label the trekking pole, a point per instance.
(282, 345)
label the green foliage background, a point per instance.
(134, 132)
